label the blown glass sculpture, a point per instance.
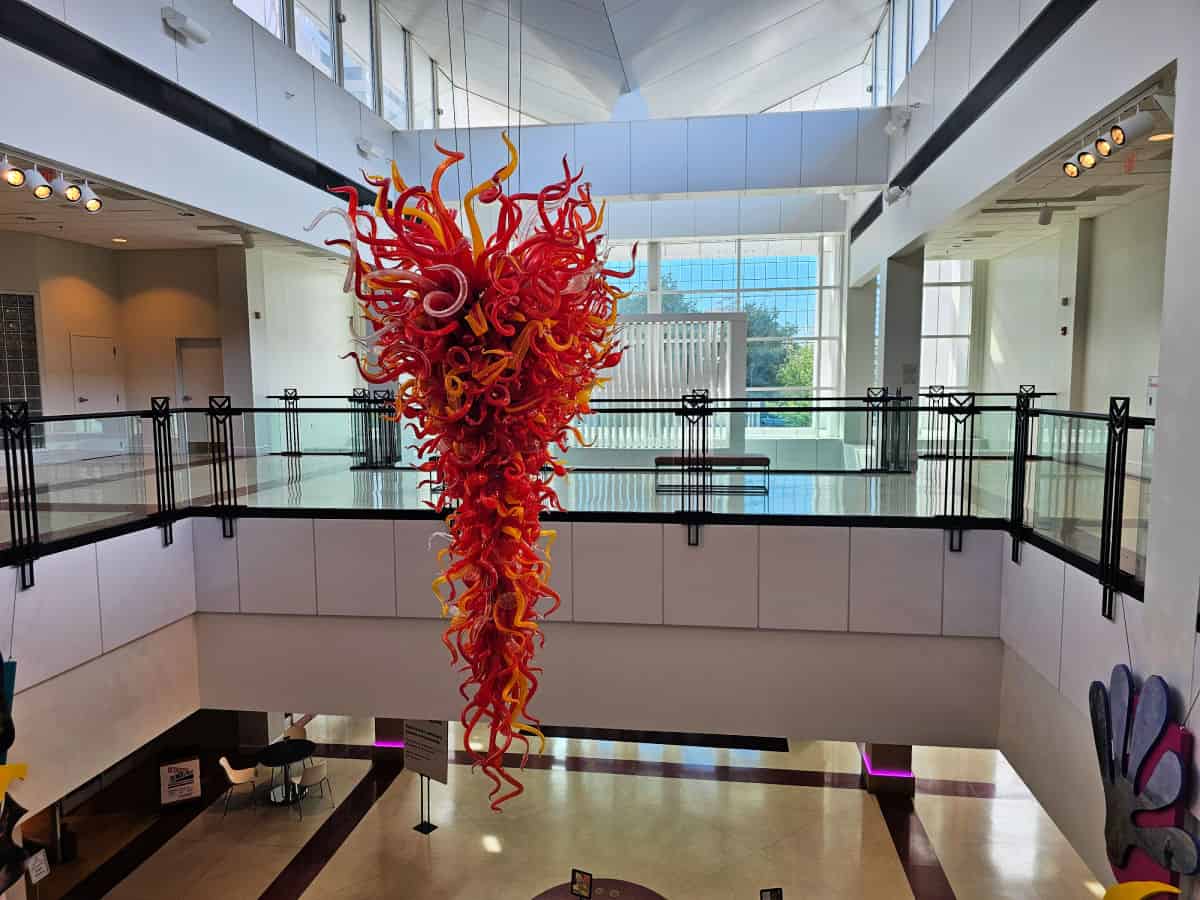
(495, 345)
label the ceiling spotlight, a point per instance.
(37, 181)
(120, 240)
(1104, 147)
(1045, 215)
(1086, 159)
(65, 189)
(1162, 136)
(1136, 126)
(1070, 168)
(13, 176)
(91, 202)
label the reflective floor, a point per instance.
(1063, 502)
(740, 820)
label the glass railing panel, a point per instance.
(1135, 519)
(1065, 481)
(91, 473)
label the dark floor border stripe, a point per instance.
(734, 774)
(306, 865)
(46, 36)
(121, 864)
(679, 738)
(922, 868)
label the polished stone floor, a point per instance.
(738, 821)
(1064, 502)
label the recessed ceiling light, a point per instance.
(1162, 136)
(120, 240)
(188, 214)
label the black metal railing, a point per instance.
(1058, 473)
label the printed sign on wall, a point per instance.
(179, 781)
(427, 747)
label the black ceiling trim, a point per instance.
(1051, 24)
(48, 37)
(869, 215)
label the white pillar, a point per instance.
(900, 288)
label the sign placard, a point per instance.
(427, 747)
(770, 894)
(179, 781)
(581, 883)
(38, 866)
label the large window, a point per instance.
(922, 27)
(358, 67)
(899, 45)
(789, 288)
(424, 106)
(314, 32)
(267, 13)
(946, 324)
(393, 70)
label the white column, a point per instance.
(901, 285)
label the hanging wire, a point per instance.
(453, 109)
(508, 64)
(462, 7)
(520, 78)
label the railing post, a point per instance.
(22, 492)
(291, 422)
(1020, 463)
(876, 456)
(697, 468)
(221, 461)
(958, 487)
(1114, 501)
(383, 404)
(164, 465)
(937, 400)
(358, 438)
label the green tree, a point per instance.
(797, 371)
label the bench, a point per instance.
(754, 462)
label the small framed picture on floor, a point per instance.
(581, 883)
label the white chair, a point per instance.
(315, 775)
(239, 778)
(298, 733)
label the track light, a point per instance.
(1104, 147)
(1086, 159)
(65, 189)
(1070, 168)
(12, 175)
(1045, 215)
(91, 202)
(38, 183)
(1129, 130)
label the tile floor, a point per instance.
(687, 838)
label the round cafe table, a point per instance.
(283, 755)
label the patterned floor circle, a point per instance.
(604, 889)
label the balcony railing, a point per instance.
(1076, 484)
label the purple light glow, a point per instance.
(882, 773)
(396, 744)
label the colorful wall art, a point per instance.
(495, 343)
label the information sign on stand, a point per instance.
(179, 781)
(38, 866)
(427, 752)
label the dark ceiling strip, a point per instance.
(48, 37)
(1051, 24)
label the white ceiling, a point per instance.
(704, 57)
(1005, 218)
(146, 224)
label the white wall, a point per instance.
(1022, 343)
(305, 325)
(1124, 309)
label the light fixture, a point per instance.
(12, 175)
(91, 202)
(895, 194)
(1104, 147)
(1070, 168)
(120, 240)
(65, 189)
(1129, 130)
(1162, 136)
(38, 183)
(1086, 159)
(184, 25)
(1045, 215)
(899, 120)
